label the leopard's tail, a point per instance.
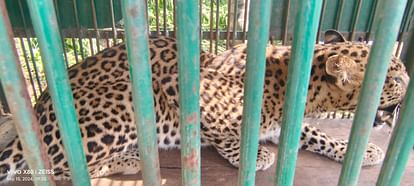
(312, 139)
(11, 161)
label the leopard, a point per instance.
(102, 95)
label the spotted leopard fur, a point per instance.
(102, 97)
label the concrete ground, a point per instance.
(311, 170)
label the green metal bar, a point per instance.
(401, 144)
(410, 56)
(24, 118)
(189, 82)
(390, 15)
(259, 16)
(140, 71)
(339, 14)
(306, 27)
(47, 30)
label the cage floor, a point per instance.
(311, 170)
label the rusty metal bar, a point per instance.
(140, 72)
(189, 83)
(20, 105)
(46, 28)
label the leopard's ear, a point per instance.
(345, 72)
(333, 36)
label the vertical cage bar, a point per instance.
(286, 23)
(391, 12)
(27, 32)
(355, 18)
(23, 47)
(140, 72)
(410, 56)
(246, 3)
(174, 18)
(18, 98)
(211, 27)
(228, 24)
(234, 21)
(372, 19)
(339, 14)
(189, 83)
(318, 35)
(259, 23)
(80, 33)
(306, 28)
(75, 52)
(217, 27)
(164, 15)
(157, 17)
(114, 31)
(46, 27)
(61, 35)
(401, 144)
(95, 26)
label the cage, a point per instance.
(40, 29)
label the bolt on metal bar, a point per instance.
(391, 13)
(306, 28)
(259, 18)
(46, 28)
(189, 83)
(140, 72)
(401, 143)
(25, 121)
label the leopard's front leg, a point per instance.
(229, 148)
